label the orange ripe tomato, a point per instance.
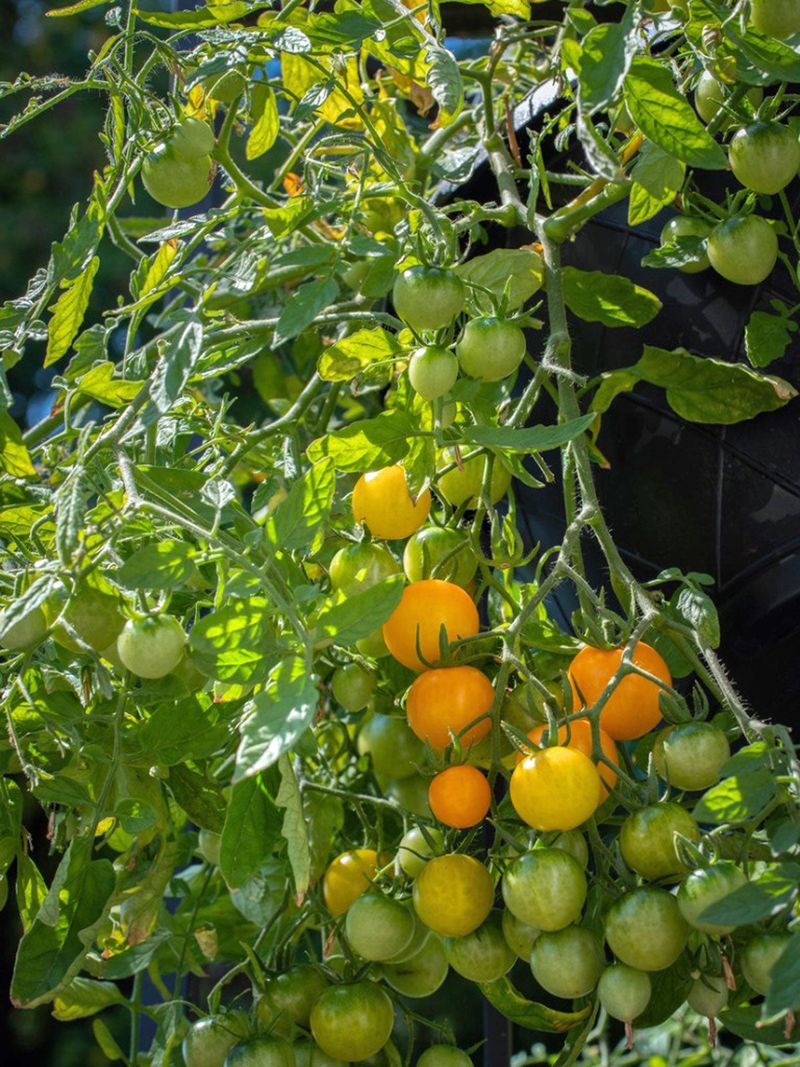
(444, 701)
(347, 877)
(578, 735)
(424, 609)
(382, 501)
(632, 709)
(555, 789)
(460, 796)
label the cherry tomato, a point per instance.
(426, 610)
(578, 735)
(647, 840)
(439, 552)
(483, 955)
(446, 702)
(704, 887)
(356, 568)
(568, 963)
(381, 501)
(691, 755)
(744, 249)
(624, 992)
(421, 974)
(308, 1054)
(352, 686)
(519, 935)
(411, 794)
(765, 156)
(462, 484)
(545, 888)
(208, 845)
(416, 848)
(460, 796)
(378, 927)
(709, 995)
(351, 1022)
(428, 298)
(453, 894)
(710, 95)
(174, 180)
(683, 226)
(646, 930)
(444, 1056)
(291, 995)
(95, 617)
(776, 18)
(759, 957)
(555, 789)
(151, 647)
(347, 877)
(209, 1040)
(432, 372)
(192, 138)
(266, 1050)
(632, 709)
(490, 349)
(30, 631)
(395, 750)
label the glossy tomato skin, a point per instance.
(428, 298)
(462, 484)
(432, 372)
(624, 992)
(646, 930)
(445, 701)
(309, 1054)
(490, 349)
(710, 94)
(151, 647)
(192, 138)
(482, 956)
(173, 180)
(353, 1021)
(453, 894)
(632, 709)
(352, 686)
(396, 752)
(263, 1051)
(209, 1040)
(744, 249)
(647, 840)
(30, 631)
(555, 789)
(702, 888)
(776, 18)
(460, 796)
(422, 973)
(294, 993)
(545, 889)
(378, 927)
(519, 935)
(759, 957)
(347, 877)
(569, 962)
(691, 755)
(765, 156)
(415, 625)
(95, 617)
(578, 735)
(416, 848)
(444, 1056)
(356, 568)
(439, 552)
(381, 501)
(682, 226)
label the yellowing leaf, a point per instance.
(14, 458)
(159, 266)
(68, 312)
(267, 126)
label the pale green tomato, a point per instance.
(378, 927)
(209, 1040)
(192, 138)
(432, 372)
(444, 1056)
(151, 647)
(708, 996)
(31, 630)
(624, 992)
(568, 962)
(710, 94)
(410, 793)
(462, 485)
(419, 975)
(267, 1050)
(416, 848)
(759, 957)
(394, 748)
(482, 956)
(208, 844)
(174, 180)
(352, 1021)
(519, 935)
(545, 888)
(352, 686)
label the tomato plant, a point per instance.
(323, 672)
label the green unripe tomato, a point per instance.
(765, 156)
(410, 793)
(174, 180)
(395, 749)
(151, 647)
(263, 1051)
(209, 1040)
(681, 226)
(208, 845)
(378, 927)
(567, 963)
(624, 992)
(374, 646)
(356, 568)
(759, 957)
(419, 975)
(704, 887)
(710, 95)
(30, 631)
(225, 87)
(291, 996)
(462, 485)
(776, 18)
(93, 615)
(490, 349)
(416, 848)
(708, 996)
(482, 956)
(545, 888)
(352, 686)
(428, 298)
(352, 1021)
(646, 930)
(426, 550)
(192, 138)
(432, 372)
(444, 1056)
(309, 1054)
(647, 840)
(691, 756)
(519, 935)
(744, 249)
(571, 841)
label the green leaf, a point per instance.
(151, 271)
(767, 337)
(784, 991)
(163, 565)
(106, 1041)
(249, 833)
(293, 828)
(530, 439)
(444, 81)
(84, 997)
(520, 9)
(74, 9)
(275, 718)
(31, 890)
(366, 445)
(517, 272)
(656, 178)
(324, 816)
(350, 619)
(608, 298)
(503, 996)
(53, 948)
(344, 359)
(775, 888)
(68, 312)
(664, 115)
(190, 729)
(200, 17)
(235, 643)
(200, 797)
(14, 458)
(304, 306)
(100, 384)
(676, 253)
(606, 54)
(265, 130)
(670, 989)
(699, 611)
(748, 1023)
(306, 509)
(613, 383)
(738, 798)
(173, 369)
